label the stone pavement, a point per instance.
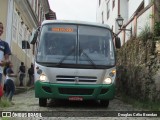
(20, 89)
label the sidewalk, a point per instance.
(22, 89)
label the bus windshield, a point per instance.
(75, 45)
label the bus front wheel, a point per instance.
(104, 103)
(42, 102)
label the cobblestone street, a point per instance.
(70, 110)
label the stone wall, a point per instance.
(138, 74)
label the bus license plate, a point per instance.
(75, 98)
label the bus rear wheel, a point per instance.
(42, 102)
(104, 103)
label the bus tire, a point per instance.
(42, 102)
(104, 103)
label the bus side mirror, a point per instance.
(34, 36)
(117, 42)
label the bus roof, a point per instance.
(76, 22)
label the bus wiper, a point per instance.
(90, 60)
(69, 53)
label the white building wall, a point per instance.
(127, 9)
(128, 33)
(133, 5)
(111, 21)
(100, 9)
(144, 21)
(124, 6)
(147, 2)
(112, 15)
(9, 22)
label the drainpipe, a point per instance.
(9, 22)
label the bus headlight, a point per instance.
(43, 78)
(107, 81)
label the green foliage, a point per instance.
(145, 34)
(152, 1)
(151, 16)
(5, 118)
(153, 106)
(157, 29)
(157, 23)
(4, 103)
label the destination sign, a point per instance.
(62, 29)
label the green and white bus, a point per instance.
(74, 61)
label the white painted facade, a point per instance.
(127, 11)
(19, 18)
(9, 22)
(113, 12)
(22, 18)
(133, 5)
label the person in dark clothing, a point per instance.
(31, 75)
(22, 73)
(9, 83)
(5, 73)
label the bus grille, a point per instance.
(76, 79)
(76, 91)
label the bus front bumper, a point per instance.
(67, 91)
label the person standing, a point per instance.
(9, 83)
(31, 75)
(7, 65)
(4, 53)
(22, 73)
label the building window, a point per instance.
(113, 3)
(15, 26)
(27, 38)
(39, 10)
(35, 6)
(102, 18)
(99, 2)
(20, 37)
(25, 35)
(108, 9)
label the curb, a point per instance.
(23, 89)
